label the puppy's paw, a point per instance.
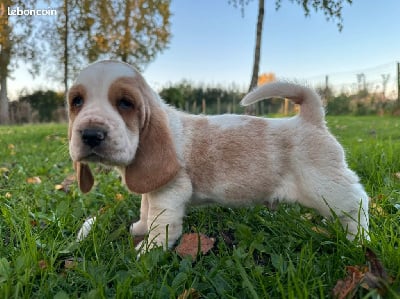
(138, 228)
(85, 229)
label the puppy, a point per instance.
(175, 159)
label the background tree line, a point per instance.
(48, 106)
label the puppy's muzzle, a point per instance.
(93, 137)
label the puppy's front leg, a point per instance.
(165, 212)
(165, 225)
(139, 228)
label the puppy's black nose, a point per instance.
(93, 137)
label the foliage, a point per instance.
(338, 105)
(188, 97)
(362, 103)
(45, 102)
(288, 253)
(133, 31)
(332, 9)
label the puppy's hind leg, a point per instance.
(356, 218)
(349, 202)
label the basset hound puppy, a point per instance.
(175, 159)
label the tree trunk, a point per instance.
(126, 38)
(5, 56)
(257, 50)
(4, 113)
(66, 45)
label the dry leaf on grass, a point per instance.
(66, 184)
(347, 287)
(119, 197)
(70, 263)
(42, 264)
(375, 205)
(189, 245)
(34, 180)
(4, 170)
(369, 277)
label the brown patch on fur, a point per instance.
(155, 162)
(76, 90)
(126, 88)
(201, 171)
(231, 158)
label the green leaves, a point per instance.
(5, 270)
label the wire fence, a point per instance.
(372, 90)
(382, 79)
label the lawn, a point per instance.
(288, 253)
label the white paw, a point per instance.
(138, 228)
(85, 229)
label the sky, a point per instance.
(213, 43)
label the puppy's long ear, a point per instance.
(84, 177)
(155, 162)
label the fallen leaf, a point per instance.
(119, 197)
(347, 287)
(11, 146)
(42, 264)
(4, 170)
(190, 294)
(377, 277)
(70, 263)
(34, 180)
(320, 230)
(372, 277)
(59, 187)
(66, 184)
(190, 246)
(376, 209)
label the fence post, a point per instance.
(398, 83)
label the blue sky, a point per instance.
(213, 43)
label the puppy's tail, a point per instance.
(311, 109)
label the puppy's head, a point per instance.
(116, 119)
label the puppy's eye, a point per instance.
(124, 104)
(77, 102)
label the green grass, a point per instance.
(258, 253)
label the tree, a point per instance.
(45, 102)
(16, 42)
(332, 9)
(133, 30)
(65, 40)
